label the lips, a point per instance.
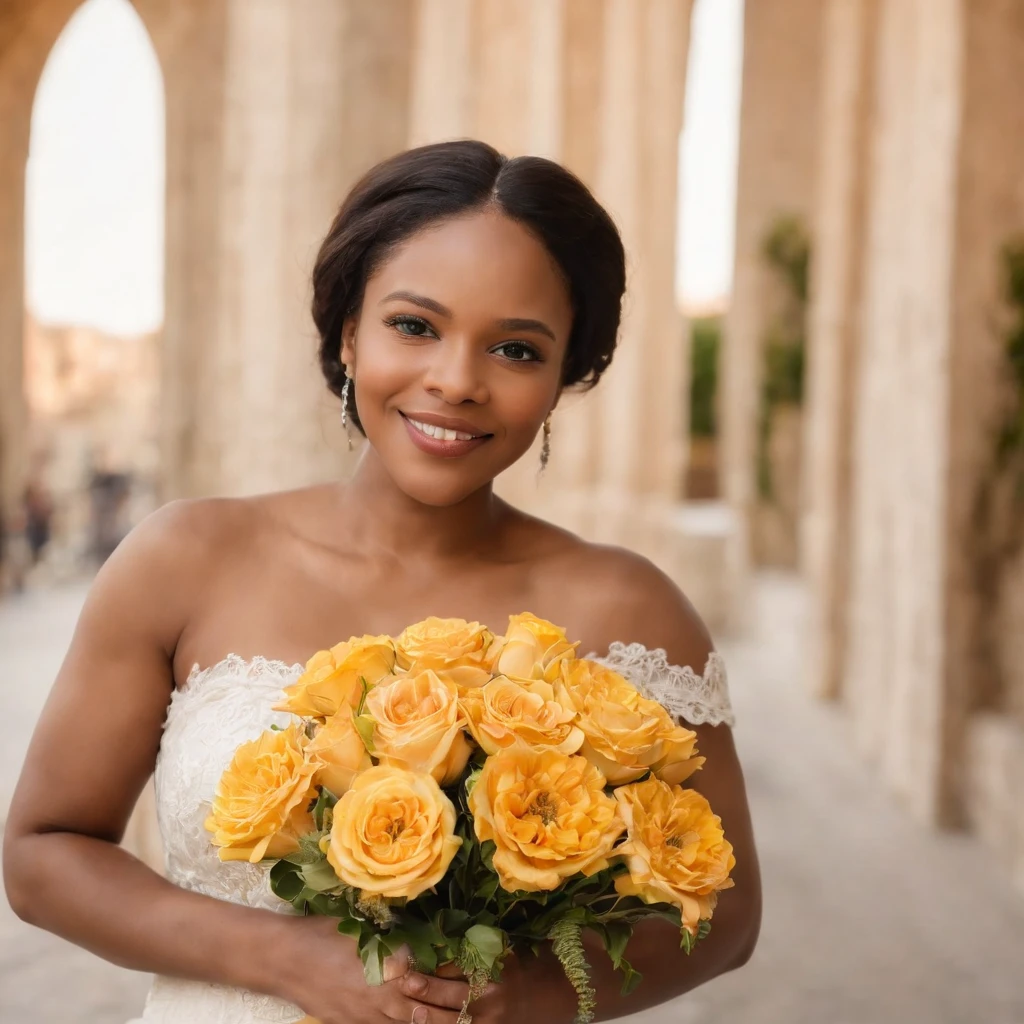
(442, 436)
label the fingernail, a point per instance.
(416, 983)
(419, 1015)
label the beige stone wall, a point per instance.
(778, 148)
(848, 83)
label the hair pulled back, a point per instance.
(407, 192)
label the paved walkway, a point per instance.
(869, 919)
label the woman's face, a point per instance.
(456, 355)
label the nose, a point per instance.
(455, 374)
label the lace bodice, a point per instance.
(220, 708)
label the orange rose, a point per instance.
(335, 677)
(418, 725)
(260, 806)
(393, 833)
(458, 649)
(627, 735)
(504, 714)
(676, 850)
(338, 752)
(548, 815)
(533, 649)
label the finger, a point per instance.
(409, 1011)
(398, 964)
(451, 970)
(435, 991)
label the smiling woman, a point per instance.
(458, 294)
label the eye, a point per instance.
(410, 326)
(517, 352)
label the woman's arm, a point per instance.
(644, 606)
(92, 752)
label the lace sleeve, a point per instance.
(697, 699)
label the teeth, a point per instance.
(439, 432)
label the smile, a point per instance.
(447, 440)
(440, 432)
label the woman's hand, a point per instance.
(323, 975)
(532, 989)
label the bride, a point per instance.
(457, 294)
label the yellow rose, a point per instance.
(393, 833)
(533, 649)
(338, 752)
(626, 734)
(260, 807)
(418, 725)
(504, 714)
(462, 650)
(333, 678)
(547, 814)
(676, 850)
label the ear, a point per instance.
(348, 344)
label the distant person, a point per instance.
(38, 506)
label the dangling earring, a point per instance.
(346, 390)
(545, 451)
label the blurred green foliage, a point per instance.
(787, 252)
(1010, 439)
(706, 343)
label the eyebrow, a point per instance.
(513, 323)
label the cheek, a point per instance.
(522, 399)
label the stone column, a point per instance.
(291, 103)
(847, 92)
(27, 33)
(945, 196)
(777, 161)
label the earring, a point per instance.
(545, 451)
(346, 390)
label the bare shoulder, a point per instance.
(151, 583)
(624, 596)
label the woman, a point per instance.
(457, 295)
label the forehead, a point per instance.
(481, 264)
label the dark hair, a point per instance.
(407, 192)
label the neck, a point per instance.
(379, 515)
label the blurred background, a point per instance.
(814, 423)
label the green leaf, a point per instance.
(365, 726)
(489, 942)
(616, 936)
(471, 780)
(632, 977)
(285, 880)
(362, 697)
(419, 936)
(351, 927)
(319, 877)
(704, 929)
(686, 941)
(373, 954)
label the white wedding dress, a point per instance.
(223, 706)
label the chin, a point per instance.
(438, 489)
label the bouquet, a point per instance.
(467, 795)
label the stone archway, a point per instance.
(28, 31)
